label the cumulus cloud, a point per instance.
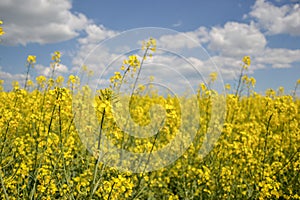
(277, 20)
(60, 69)
(227, 44)
(88, 53)
(230, 42)
(180, 40)
(9, 78)
(279, 58)
(42, 22)
(171, 70)
(96, 34)
(236, 39)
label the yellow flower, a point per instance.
(1, 29)
(84, 68)
(247, 60)
(151, 78)
(30, 83)
(31, 59)
(56, 56)
(203, 86)
(118, 76)
(60, 80)
(153, 43)
(227, 86)
(73, 79)
(41, 80)
(245, 79)
(133, 61)
(90, 73)
(150, 44)
(15, 85)
(252, 81)
(213, 76)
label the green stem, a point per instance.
(239, 83)
(27, 74)
(97, 161)
(148, 160)
(3, 186)
(101, 126)
(295, 90)
(139, 72)
(265, 145)
(112, 187)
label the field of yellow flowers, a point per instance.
(43, 157)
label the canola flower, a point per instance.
(56, 57)
(1, 28)
(31, 60)
(42, 156)
(247, 61)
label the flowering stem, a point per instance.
(139, 72)
(112, 187)
(52, 114)
(239, 83)
(295, 91)
(27, 74)
(148, 160)
(92, 188)
(101, 126)
(53, 69)
(3, 186)
(266, 146)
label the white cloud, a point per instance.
(281, 65)
(230, 66)
(9, 78)
(279, 58)
(228, 43)
(88, 53)
(236, 39)
(277, 20)
(175, 42)
(46, 71)
(177, 24)
(96, 34)
(42, 22)
(180, 40)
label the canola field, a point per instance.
(256, 155)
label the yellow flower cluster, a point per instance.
(247, 60)
(31, 59)
(56, 57)
(150, 44)
(133, 63)
(1, 29)
(43, 157)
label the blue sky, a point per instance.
(267, 31)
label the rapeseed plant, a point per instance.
(42, 156)
(31, 60)
(1, 28)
